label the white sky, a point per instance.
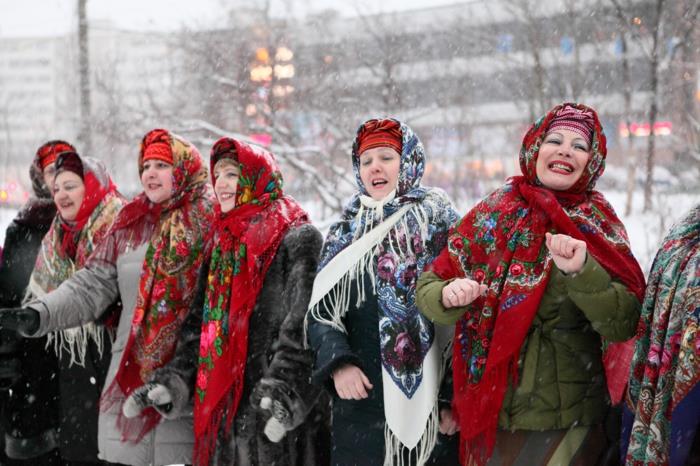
(27, 18)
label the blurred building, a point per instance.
(131, 75)
(470, 76)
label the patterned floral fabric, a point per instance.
(501, 242)
(57, 260)
(245, 241)
(405, 334)
(175, 231)
(666, 364)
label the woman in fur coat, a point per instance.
(241, 356)
(30, 410)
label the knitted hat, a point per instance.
(379, 133)
(156, 146)
(69, 161)
(47, 152)
(580, 122)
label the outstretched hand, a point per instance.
(20, 319)
(152, 394)
(569, 254)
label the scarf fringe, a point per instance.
(337, 301)
(397, 454)
(75, 341)
(205, 442)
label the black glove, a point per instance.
(20, 319)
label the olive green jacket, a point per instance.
(561, 377)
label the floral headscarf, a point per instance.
(169, 274)
(393, 263)
(501, 243)
(245, 242)
(66, 248)
(664, 389)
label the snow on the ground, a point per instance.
(646, 230)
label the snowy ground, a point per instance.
(645, 230)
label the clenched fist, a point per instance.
(569, 254)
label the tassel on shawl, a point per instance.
(370, 216)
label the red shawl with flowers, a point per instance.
(168, 277)
(66, 248)
(501, 242)
(245, 242)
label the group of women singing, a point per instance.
(219, 328)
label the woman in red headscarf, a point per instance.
(29, 411)
(149, 259)
(543, 287)
(241, 357)
(88, 203)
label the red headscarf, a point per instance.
(168, 277)
(95, 191)
(156, 146)
(47, 153)
(501, 242)
(379, 133)
(245, 241)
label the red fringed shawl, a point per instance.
(245, 241)
(501, 242)
(168, 276)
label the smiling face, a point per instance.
(379, 171)
(68, 194)
(157, 180)
(562, 158)
(226, 173)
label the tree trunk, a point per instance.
(84, 73)
(653, 109)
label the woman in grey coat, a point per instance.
(150, 258)
(241, 355)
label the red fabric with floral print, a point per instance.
(169, 275)
(245, 241)
(501, 243)
(95, 192)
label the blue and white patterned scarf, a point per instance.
(402, 234)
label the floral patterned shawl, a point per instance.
(664, 387)
(66, 248)
(245, 242)
(407, 339)
(501, 243)
(175, 231)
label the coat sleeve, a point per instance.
(180, 373)
(84, 297)
(331, 350)
(287, 378)
(611, 308)
(18, 258)
(429, 300)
